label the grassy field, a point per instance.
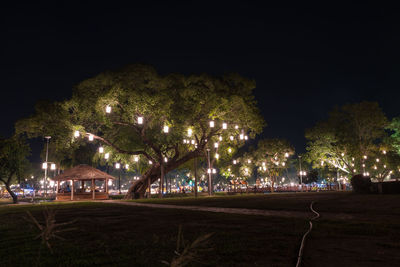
(118, 235)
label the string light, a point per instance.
(101, 150)
(166, 129)
(76, 134)
(231, 137)
(91, 137)
(216, 145)
(212, 124)
(107, 155)
(140, 120)
(117, 165)
(108, 109)
(189, 132)
(224, 125)
(136, 158)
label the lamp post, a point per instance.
(209, 172)
(45, 170)
(301, 173)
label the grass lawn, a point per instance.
(4, 201)
(118, 235)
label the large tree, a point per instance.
(166, 120)
(13, 162)
(353, 140)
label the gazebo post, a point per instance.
(106, 185)
(93, 190)
(83, 186)
(72, 189)
(58, 186)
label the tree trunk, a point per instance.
(272, 185)
(12, 194)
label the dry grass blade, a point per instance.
(190, 252)
(49, 229)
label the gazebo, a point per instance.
(68, 189)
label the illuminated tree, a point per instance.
(349, 139)
(271, 156)
(165, 120)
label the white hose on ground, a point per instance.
(299, 257)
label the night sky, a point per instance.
(305, 59)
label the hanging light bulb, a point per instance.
(377, 160)
(212, 124)
(216, 145)
(53, 166)
(76, 133)
(224, 125)
(384, 151)
(117, 165)
(136, 158)
(263, 163)
(231, 137)
(166, 129)
(241, 136)
(189, 132)
(220, 138)
(246, 137)
(283, 163)
(236, 126)
(165, 159)
(150, 162)
(249, 161)
(140, 120)
(234, 162)
(365, 156)
(214, 171)
(101, 150)
(193, 141)
(217, 156)
(229, 150)
(107, 155)
(126, 166)
(108, 109)
(91, 137)
(286, 155)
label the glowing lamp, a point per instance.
(53, 166)
(193, 142)
(286, 155)
(230, 150)
(217, 156)
(136, 158)
(208, 170)
(117, 165)
(76, 134)
(220, 138)
(246, 137)
(249, 161)
(101, 150)
(166, 129)
(236, 126)
(140, 120)
(44, 165)
(91, 137)
(150, 162)
(110, 182)
(384, 151)
(107, 155)
(231, 138)
(365, 157)
(214, 171)
(165, 159)
(212, 124)
(241, 136)
(51, 183)
(189, 132)
(234, 162)
(126, 166)
(283, 163)
(224, 126)
(216, 145)
(108, 109)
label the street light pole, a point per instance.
(45, 170)
(301, 173)
(209, 172)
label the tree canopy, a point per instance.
(13, 162)
(352, 139)
(166, 120)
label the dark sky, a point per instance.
(305, 59)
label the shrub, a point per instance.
(361, 184)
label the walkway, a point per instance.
(273, 213)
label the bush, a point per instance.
(116, 197)
(361, 184)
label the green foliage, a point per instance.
(350, 133)
(13, 159)
(180, 102)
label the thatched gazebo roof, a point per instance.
(83, 172)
